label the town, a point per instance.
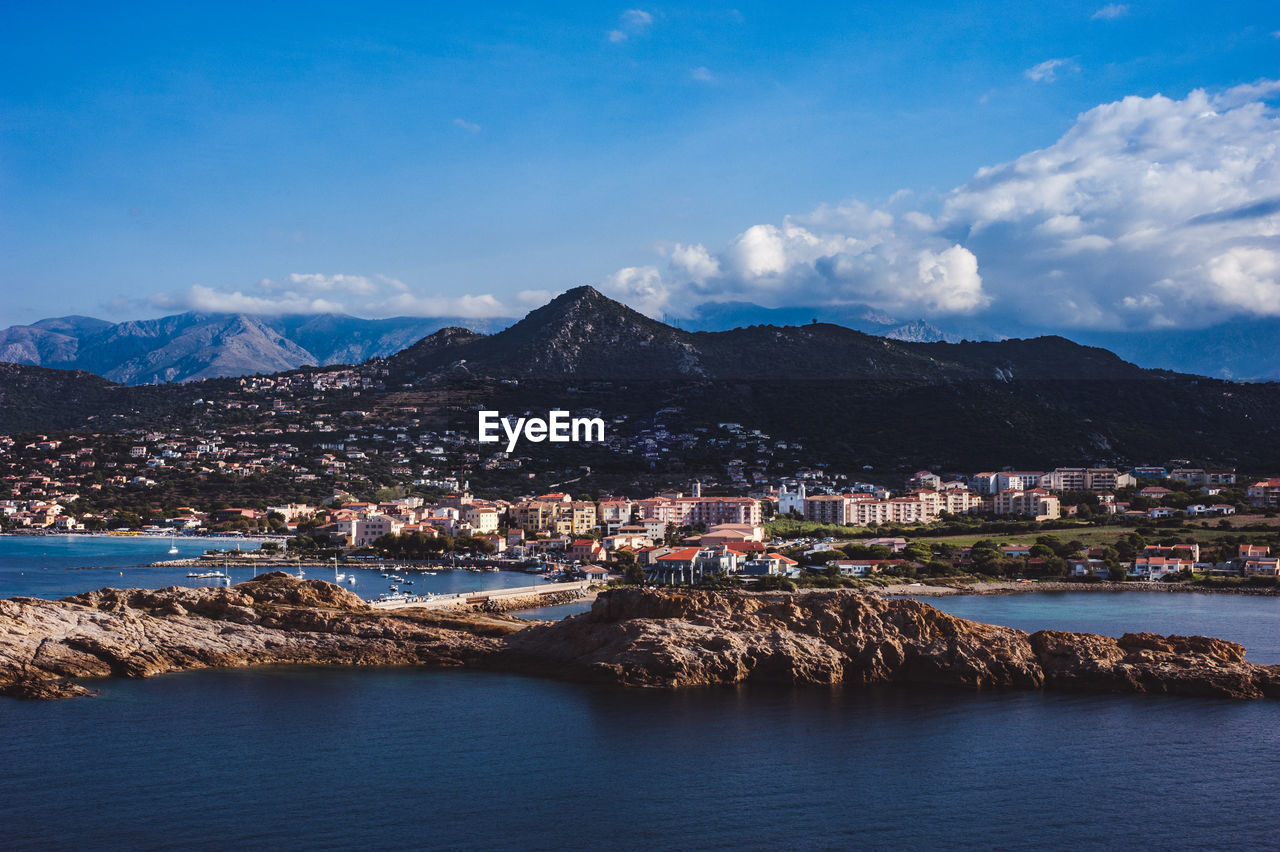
(352, 488)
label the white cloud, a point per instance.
(642, 288)
(1149, 212)
(468, 126)
(1248, 278)
(360, 295)
(845, 254)
(1047, 71)
(1145, 203)
(636, 19)
(695, 262)
(207, 300)
(702, 74)
(1110, 12)
(632, 22)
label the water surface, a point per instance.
(294, 758)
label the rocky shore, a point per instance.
(634, 637)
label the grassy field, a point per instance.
(1196, 531)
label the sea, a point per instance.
(56, 566)
(401, 758)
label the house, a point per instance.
(1087, 567)
(1257, 561)
(724, 533)
(585, 550)
(1156, 567)
(1160, 512)
(1189, 552)
(895, 545)
(1265, 494)
(774, 564)
(856, 567)
(1154, 492)
(631, 541)
(594, 573)
(1266, 566)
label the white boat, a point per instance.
(173, 546)
(340, 577)
(207, 575)
(351, 580)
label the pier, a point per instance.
(499, 598)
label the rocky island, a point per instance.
(631, 636)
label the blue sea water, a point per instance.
(402, 758)
(1253, 621)
(56, 566)
(554, 613)
(291, 758)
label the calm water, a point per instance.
(1253, 621)
(294, 758)
(554, 613)
(57, 566)
(398, 758)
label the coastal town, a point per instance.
(405, 495)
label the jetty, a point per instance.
(499, 600)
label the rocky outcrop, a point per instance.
(682, 638)
(633, 637)
(272, 619)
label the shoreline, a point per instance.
(931, 590)
(635, 637)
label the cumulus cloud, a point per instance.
(1047, 71)
(360, 295)
(1147, 212)
(702, 74)
(463, 124)
(846, 254)
(1110, 12)
(633, 22)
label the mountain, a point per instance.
(583, 334)
(580, 334)
(192, 346)
(723, 316)
(1242, 349)
(861, 398)
(841, 396)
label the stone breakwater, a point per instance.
(515, 603)
(634, 637)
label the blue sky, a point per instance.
(383, 158)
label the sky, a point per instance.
(1066, 166)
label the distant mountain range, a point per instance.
(1240, 349)
(851, 398)
(723, 316)
(190, 346)
(196, 346)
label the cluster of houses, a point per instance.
(1030, 494)
(1158, 561)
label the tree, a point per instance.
(918, 551)
(634, 575)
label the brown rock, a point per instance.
(637, 637)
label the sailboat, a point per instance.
(173, 545)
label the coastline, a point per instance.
(631, 637)
(929, 590)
